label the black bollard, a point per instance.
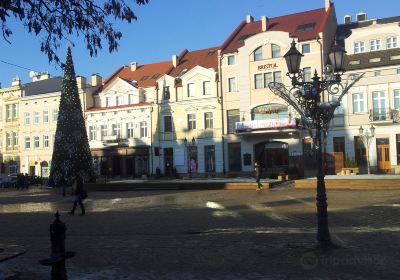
(58, 254)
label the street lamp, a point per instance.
(190, 146)
(307, 98)
(366, 137)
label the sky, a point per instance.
(164, 28)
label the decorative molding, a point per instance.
(190, 109)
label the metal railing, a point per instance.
(384, 114)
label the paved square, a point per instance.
(213, 234)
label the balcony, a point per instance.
(268, 125)
(384, 115)
(114, 140)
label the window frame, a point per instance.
(231, 58)
(232, 117)
(303, 49)
(208, 120)
(359, 47)
(35, 117)
(27, 118)
(45, 116)
(191, 121)
(375, 45)
(258, 83)
(36, 142)
(358, 98)
(46, 141)
(258, 54)
(232, 88)
(143, 129)
(275, 53)
(391, 42)
(167, 125)
(206, 88)
(27, 142)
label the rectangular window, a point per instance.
(36, 141)
(129, 130)
(360, 152)
(278, 77)
(45, 116)
(231, 84)
(108, 101)
(15, 139)
(305, 48)
(396, 98)
(339, 146)
(103, 131)
(191, 121)
(119, 100)
(206, 88)
(27, 142)
(35, 117)
(267, 79)
(209, 158)
(55, 115)
(391, 42)
(130, 99)
(275, 51)
(231, 60)
(258, 81)
(45, 141)
(92, 133)
(233, 116)
(358, 103)
(143, 129)
(359, 47)
(8, 111)
(191, 90)
(166, 95)
(27, 118)
(167, 124)
(379, 105)
(307, 74)
(14, 111)
(208, 120)
(116, 129)
(8, 139)
(375, 45)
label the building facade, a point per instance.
(258, 124)
(373, 49)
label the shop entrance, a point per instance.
(383, 155)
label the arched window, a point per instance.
(258, 54)
(276, 51)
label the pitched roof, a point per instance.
(372, 59)
(207, 58)
(146, 75)
(43, 86)
(304, 26)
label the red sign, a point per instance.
(265, 124)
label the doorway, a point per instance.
(168, 161)
(383, 155)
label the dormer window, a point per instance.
(359, 47)
(258, 54)
(191, 90)
(155, 76)
(275, 51)
(375, 45)
(391, 42)
(144, 78)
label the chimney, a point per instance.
(96, 80)
(81, 82)
(264, 23)
(44, 75)
(175, 60)
(134, 66)
(361, 17)
(249, 19)
(347, 19)
(16, 81)
(327, 5)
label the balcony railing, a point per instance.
(384, 114)
(114, 139)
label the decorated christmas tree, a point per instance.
(71, 153)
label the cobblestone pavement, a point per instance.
(218, 234)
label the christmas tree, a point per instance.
(71, 153)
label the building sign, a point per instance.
(267, 66)
(270, 109)
(265, 124)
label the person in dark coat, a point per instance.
(258, 173)
(20, 181)
(79, 191)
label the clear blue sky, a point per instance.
(165, 27)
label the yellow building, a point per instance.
(9, 127)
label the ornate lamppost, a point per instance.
(366, 137)
(190, 146)
(315, 100)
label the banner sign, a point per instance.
(265, 124)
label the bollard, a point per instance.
(58, 254)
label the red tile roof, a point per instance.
(150, 70)
(207, 58)
(287, 23)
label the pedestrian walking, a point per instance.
(80, 194)
(258, 173)
(20, 181)
(26, 181)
